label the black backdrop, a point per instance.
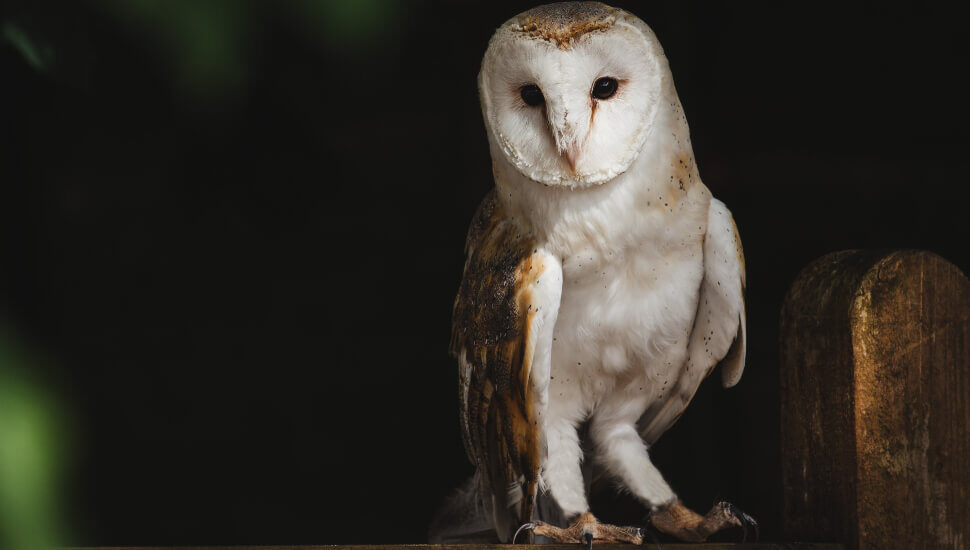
(243, 290)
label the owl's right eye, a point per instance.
(532, 95)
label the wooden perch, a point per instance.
(707, 546)
(875, 401)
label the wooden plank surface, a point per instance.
(666, 546)
(875, 372)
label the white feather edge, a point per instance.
(723, 287)
(718, 334)
(546, 297)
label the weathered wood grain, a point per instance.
(875, 415)
(706, 546)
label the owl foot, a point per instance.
(681, 522)
(586, 529)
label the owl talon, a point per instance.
(746, 522)
(585, 530)
(530, 526)
(685, 524)
(653, 537)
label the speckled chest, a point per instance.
(626, 315)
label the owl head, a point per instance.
(570, 92)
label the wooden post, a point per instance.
(875, 401)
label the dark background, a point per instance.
(234, 231)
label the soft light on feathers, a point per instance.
(603, 282)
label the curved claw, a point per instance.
(746, 522)
(588, 539)
(525, 526)
(644, 533)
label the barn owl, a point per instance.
(602, 283)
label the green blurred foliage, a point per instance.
(209, 52)
(201, 42)
(39, 56)
(32, 450)
(209, 44)
(209, 48)
(340, 24)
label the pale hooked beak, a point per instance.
(571, 154)
(569, 123)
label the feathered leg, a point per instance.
(615, 434)
(564, 479)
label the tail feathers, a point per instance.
(464, 518)
(470, 516)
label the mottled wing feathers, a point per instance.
(718, 335)
(500, 316)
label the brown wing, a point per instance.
(498, 318)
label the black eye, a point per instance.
(604, 88)
(532, 95)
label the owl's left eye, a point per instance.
(604, 88)
(532, 95)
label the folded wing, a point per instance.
(718, 335)
(502, 327)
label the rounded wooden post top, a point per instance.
(875, 393)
